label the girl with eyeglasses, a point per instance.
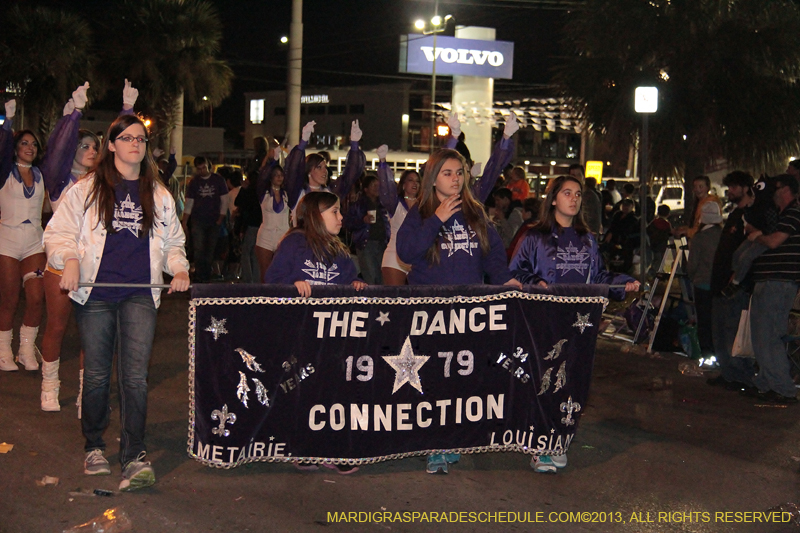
(22, 257)
(306, 174)
(447, 240)
(71, 153)
(118, 225)
(559, 248)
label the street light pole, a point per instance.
(433, 91)
(645, 102)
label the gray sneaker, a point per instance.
(137, 474)
(95, 464)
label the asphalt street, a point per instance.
(656, 450)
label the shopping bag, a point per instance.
(743, 345)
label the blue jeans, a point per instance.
(127, 326)
(725, 323)
(204, 242)
(369, 260)
(769, 321)
(249, 262)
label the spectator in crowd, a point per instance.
(776, 274)
(530, 212)
(659, 231)
(518, 185)
(206, 205)
(247, 227)
(592, 201)
(611, 197)
(368, 222)
(701, 258)
(506, 214)
(701, 189)
(622, 237)
(736, 373)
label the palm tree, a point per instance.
(44, 55)
(168, 49)
(727, 73)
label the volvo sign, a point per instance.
(457, 57)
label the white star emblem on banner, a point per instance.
(217, 327)
(383, 317)
(406, 366)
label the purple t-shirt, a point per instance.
(126, 255)
(295, 261)
(206, 193)
(573, 258)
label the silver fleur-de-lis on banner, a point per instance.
(569, 407)
(249, 360)
(261, 393)
(224, 417)
(242, 389)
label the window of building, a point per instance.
(316, 110)
(280, 111)
(257, 111)
(357, 109)
(337, 109)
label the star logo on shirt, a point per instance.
(206, 191)
(127, 215)
(572, 259)
(320, 273)
(458, 238)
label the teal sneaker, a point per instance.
(559, 460)
(543, 465)
(437, 464)
(452, 458)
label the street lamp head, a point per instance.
(284, 39)
(646, 99)
(436, 20)
(419, 24)
(205, 98)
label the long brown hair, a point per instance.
(309, 220)
(429, 202)
(312, 160)
(403, 178)
(547, 212)
(107, 177)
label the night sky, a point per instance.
(349, 42)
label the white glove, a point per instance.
(11, 108)
(382, 151)
(79, 96)
(475, 171)
(158, 152)
(129, 94)
(455, 125)
(69, 108)
(308, 129)
(511, 126)
(355, 132)
(276, 153)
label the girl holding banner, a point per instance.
(559, 248)
(118, 225)
(447, 240)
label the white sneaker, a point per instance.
(7, 364)
(559, 460)
(27, 348)
(6, 355)
(50, 400)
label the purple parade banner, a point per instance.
(350, 377)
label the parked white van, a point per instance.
(671, 195)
